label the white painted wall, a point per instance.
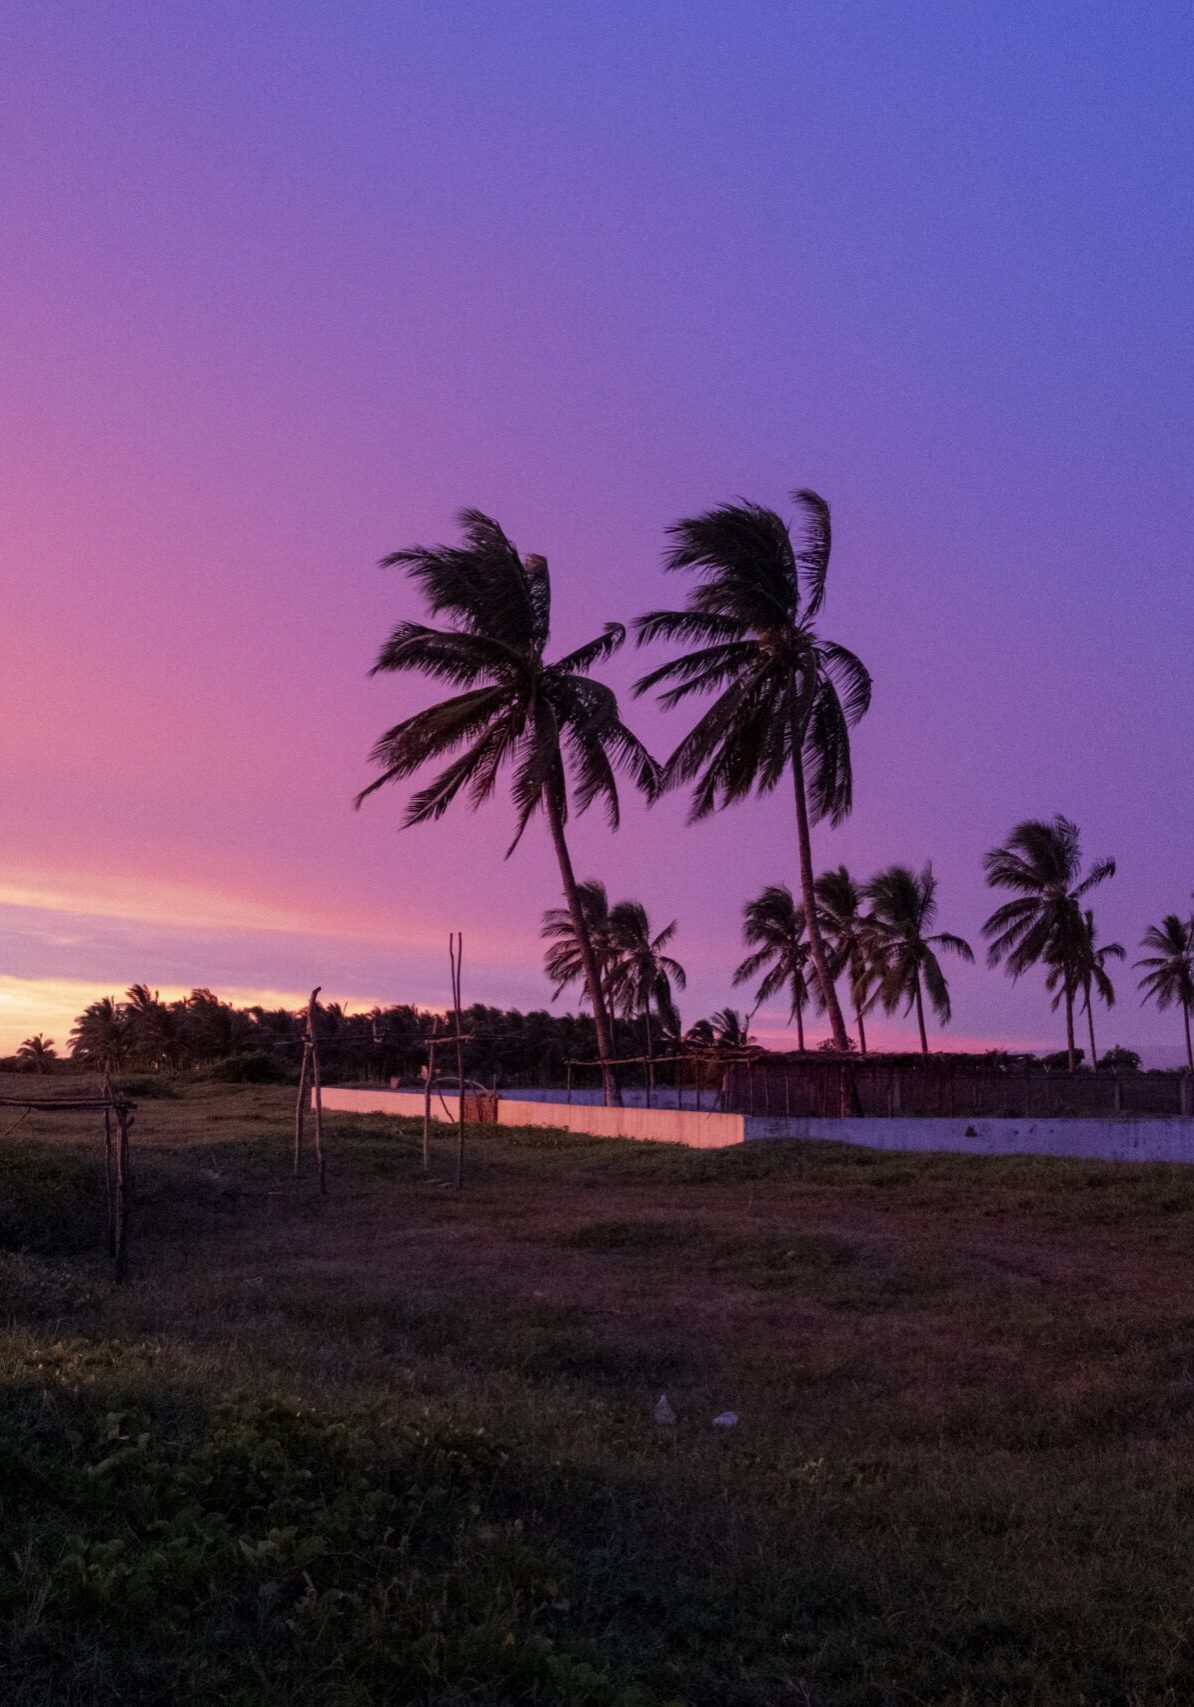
(1140, 1140)
(699, 1131)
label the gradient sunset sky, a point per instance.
(286, 285)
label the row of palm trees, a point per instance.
(881, 943)
(782, 702)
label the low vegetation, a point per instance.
(398, 1445)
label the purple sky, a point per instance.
(286, 285)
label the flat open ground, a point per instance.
(397, 1445)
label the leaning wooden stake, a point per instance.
(427, 1097)
(110, 1179)
(456, 957)
(124, 1119)
(299, 1112)
(313, 1048)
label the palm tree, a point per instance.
(903, 910)
(785, 698)
(38, 1052)
(773, 926)
(151, 1025)
(1169, 969)
(563, 960)
(840, 907)
(100, 1036)
(1041, 862)
(726, 1030)
(643, 974)
(1088, 967)
(550, 722)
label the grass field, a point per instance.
(397, 1445)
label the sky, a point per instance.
(285, 286)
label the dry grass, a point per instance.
(962, 1472)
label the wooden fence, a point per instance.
(846, 1089)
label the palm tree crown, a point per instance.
(1041, 862)
(785, 699)
(903, 911)
(773, 927)
(38, 1052)
(644, 975)
(558, 730)
(563, 960)
(1169, 970)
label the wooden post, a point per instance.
(300, 1109)
(456, 956)
(427, 1098)
(110, 1181)
(124, 1120)
(313, 1046)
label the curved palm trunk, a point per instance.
(1069, 1028)
(816, 941)
(920, 1018)
(650, 1052)
(859, 1020)
(800, 1027)
(1189, 1048)
(609, 1080)
(1094, 1059)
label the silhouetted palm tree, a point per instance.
(1042, 863)
(904, 957)
(773, 926)
(726, 1030)
(543, 719)
(1088, 969)
(643, 973)
(840, 908)
(1169, 970)
(100, 1036)
(564, 960)
(38, 1052)
(785, 698)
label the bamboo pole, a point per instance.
(313, 1045)
(456, 956)
(300, 1110)
(124, 1120)
(427, 1098)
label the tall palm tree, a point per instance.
(903, 911)
(559, 730)
(1041, 862)
(645, 976)
(773, 926)
(1088, 970)
(38, 1052)
(785, 698)
(843, 920)
(1169, 970)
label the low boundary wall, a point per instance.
(1106, 1140)
(699, 1131)
(1141, 1140)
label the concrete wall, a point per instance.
(699, 1131)
(1144, 1140)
